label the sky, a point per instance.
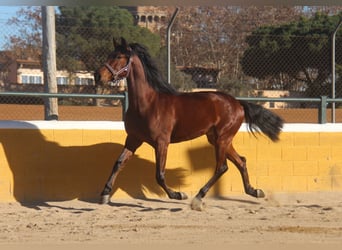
(6, 12)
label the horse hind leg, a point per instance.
(196, 203)
(240, 163)
(221, 168)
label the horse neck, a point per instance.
(140, 93)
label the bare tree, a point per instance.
(215, 36)
(28, 42)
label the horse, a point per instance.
(158, 114)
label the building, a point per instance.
(150, 17)
(29, 71)
(278, 94)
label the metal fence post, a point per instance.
(333, 78)
(169, 45)
(323, 110)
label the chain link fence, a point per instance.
(248, 61)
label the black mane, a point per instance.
(153, 75)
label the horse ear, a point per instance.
(124, 43)
(115, 43)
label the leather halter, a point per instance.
(124, 69)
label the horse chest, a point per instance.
(134, 121)
(141, 126)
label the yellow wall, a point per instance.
(47, 163)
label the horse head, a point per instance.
(117, 65)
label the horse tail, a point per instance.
(260, 119)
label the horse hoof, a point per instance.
(105, 199)
(260, 193)
(183, 196)
(197, 204)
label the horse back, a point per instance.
(185, 116)
(198, 112)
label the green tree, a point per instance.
(85, 35)
(233, 86)
(178, 79)
(213, 36)
(294, 56)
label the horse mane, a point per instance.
(153, 75)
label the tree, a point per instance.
(293, 56)
(214, 36)
(85, 35)
(179, 80)
(28, 42)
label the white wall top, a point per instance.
(85, 125)
(119, 125)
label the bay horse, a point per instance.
(159, 115)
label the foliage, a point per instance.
(213, 36)
(205, 36)
(28, 42)
(85, 35)
(179, 80)
(233, 86)
(292, 53)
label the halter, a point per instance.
(124, 69)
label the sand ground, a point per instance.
(280, 219)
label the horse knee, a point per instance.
(221, 170)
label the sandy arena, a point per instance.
(281, 219)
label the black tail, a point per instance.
(260, 119)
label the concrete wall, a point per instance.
(51, 161)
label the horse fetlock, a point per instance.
(107, 190)
(197, 204)
(178, 195)
(182, 196)
(105, 199)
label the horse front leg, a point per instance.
(119, 164)
(130, 146)
(161, 155)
